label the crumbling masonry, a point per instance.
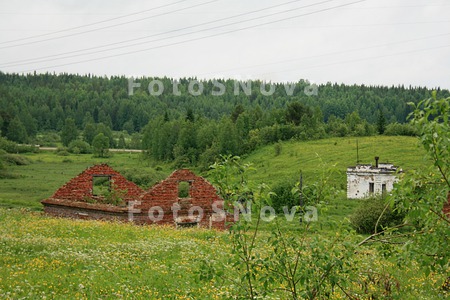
(163, 204)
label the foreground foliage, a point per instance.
(65, 259)
(301, 264)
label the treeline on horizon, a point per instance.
(192, 129)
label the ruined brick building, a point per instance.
(101, 193)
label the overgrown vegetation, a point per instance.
(423, 192)
(374, 215)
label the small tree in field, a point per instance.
(381, 122)
(101, 145)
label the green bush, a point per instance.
(15, 159)
(48, 139)
(365, 217)
(283, 196)
(8, 146)
(62, 151)
(79, 146)
(401, 129)
(12, 147)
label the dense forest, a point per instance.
(191, 127)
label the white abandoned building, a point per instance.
(366, 180)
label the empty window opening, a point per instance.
(383, 188)
(371, 187)
(101, 185)
(183, 189)
(187, 224)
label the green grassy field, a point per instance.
(48, 258)
(335, 153)
(44, 257)
(48, 171)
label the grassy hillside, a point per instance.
(314, 157)
(48, 171)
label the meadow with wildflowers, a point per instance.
(49, 258)
(43, 257)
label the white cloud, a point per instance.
(374, 42)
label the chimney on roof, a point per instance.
(376, 161)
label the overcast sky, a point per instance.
(372, 42)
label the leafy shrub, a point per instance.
(79, 146)
(15, 159)
(8, 146)
(283, 196)
(48, 139)
(62, 151)
(278, 147)
(401, 129)
(27, 149)
(12, 147)
(366, 216)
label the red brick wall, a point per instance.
(80, 187)
(201, 194)
(69, 200)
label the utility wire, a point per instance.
(328, 54)
(202, 38)
(91, 24)
(38, 59)
(176, 36)
(364, 59)
(107, 27)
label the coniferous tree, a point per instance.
(190, 115)
(296, 111)
(381, 122)
(166, 116)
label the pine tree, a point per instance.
(190, 115)
(381, 122)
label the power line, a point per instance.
(39, 59)
(110, 26)
(176, 36)
(365, 59)
(329, 54)
(202, 38)
(91, 24)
